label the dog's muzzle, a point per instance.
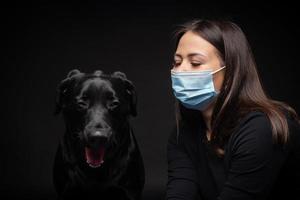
(95, 150)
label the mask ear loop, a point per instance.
(218, 70)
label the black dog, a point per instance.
(98, 157)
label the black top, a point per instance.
(253, 167)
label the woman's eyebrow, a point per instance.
(191, 55)
(177, 55)
(196, 54)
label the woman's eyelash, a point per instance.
(176, 63)
(196, 64)
(192, 63)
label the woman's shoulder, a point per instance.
(253, 120)
(255, 127)
(253, 117)
(259, 120)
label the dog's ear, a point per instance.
(120, 75)
(130, 89)
(62, 89)
(73, 72)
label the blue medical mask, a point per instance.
(194, 89)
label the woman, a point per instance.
(231, 141)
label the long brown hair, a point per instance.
(242, 90)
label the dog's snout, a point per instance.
(98, 137)
(98, 126)
(94, 126)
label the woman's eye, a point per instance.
(175, 64)
(195, 64)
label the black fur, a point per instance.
(96, 109)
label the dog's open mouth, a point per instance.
(94, 157)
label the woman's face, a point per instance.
(193, 53)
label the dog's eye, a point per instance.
(113, 104)
(82, 104)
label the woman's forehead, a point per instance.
(192, 43)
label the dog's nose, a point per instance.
(99, 137)
(102, 126)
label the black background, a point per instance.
(43, 41)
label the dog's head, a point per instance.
(95, 106)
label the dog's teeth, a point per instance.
(92, 166)
(95, 166)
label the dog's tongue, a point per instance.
(94, 157)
